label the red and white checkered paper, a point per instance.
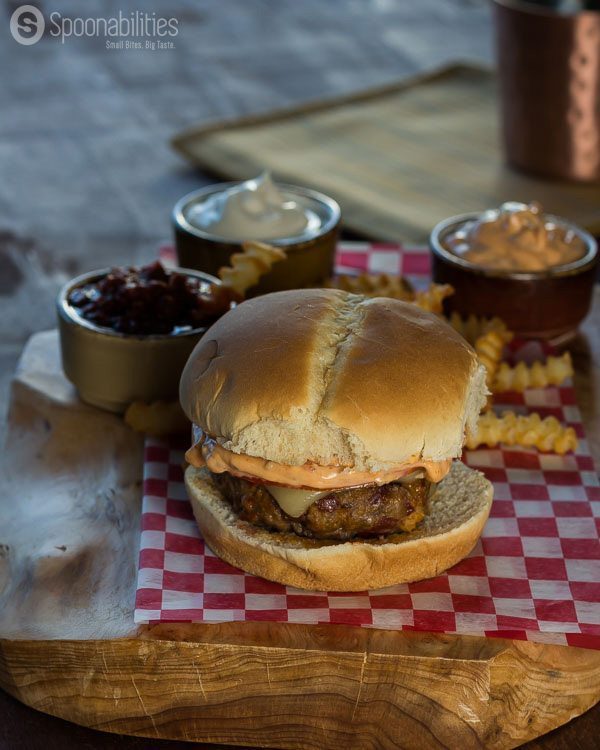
(534, 574)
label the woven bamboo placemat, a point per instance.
(398, 159)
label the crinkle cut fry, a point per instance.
(247, 267)
(397, 287)
(488, 336)
(526, 430)
(554, 371)
(489, 347)
(473, 327)
(432, 298)
(374, 285)
(158, 418)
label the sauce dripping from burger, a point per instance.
(207, 452)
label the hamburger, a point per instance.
(326, 431)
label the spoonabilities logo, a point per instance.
(27, 24)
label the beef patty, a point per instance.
(356, 512)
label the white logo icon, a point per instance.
(27, 24)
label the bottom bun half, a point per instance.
(458, 510)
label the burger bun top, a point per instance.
(337, 379)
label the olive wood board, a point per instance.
(70, 490)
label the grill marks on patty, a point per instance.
(369, 511)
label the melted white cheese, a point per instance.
(295, 502)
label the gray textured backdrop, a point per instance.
(86, 174)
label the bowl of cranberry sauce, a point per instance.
(127, 332)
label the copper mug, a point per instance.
(549, 74)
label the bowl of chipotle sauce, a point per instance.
(127, 332)
(534, 270)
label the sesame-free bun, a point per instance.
(336, 379)
(458, 510)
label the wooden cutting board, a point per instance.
(70, 489)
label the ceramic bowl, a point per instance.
(548, 304)
(310, 256)
(112, 369)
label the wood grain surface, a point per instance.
(68, 645)
(23, 728)
(295, 687)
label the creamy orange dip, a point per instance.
(207, 452)
(516, 237)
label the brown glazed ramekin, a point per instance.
(548, 304)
